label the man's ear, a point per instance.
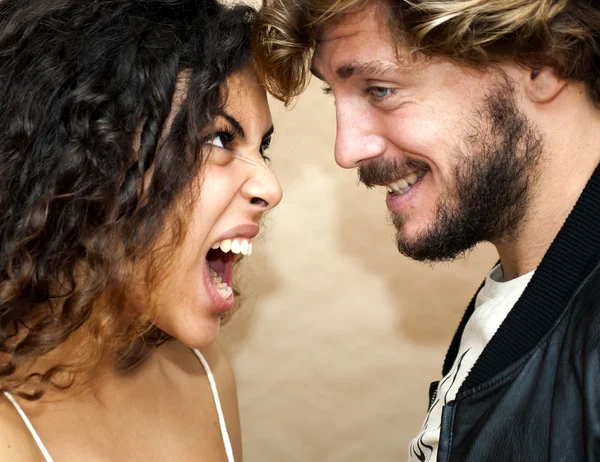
(543, 85)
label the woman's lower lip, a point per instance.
(397, 202)
(219, 304)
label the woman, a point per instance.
(132, 150)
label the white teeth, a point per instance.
(225, 245)
(402, 184)
(214, 276)
(389, 189)
(395, 187)
(237, 246)
(222, 287)
(225, 292)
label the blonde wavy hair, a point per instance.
(562, 34)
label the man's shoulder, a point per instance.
(584, 317)
(587, 298)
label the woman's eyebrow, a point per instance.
(237, 127)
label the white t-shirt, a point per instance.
(493, 303)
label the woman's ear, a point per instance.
(543, 85)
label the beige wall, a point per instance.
(339, 335)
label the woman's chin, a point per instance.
(195, 333)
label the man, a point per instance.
(482, 119)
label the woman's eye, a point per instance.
(217, 141)
(220, 140)
(263, 148)
(380, 92)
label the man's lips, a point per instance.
(383, 172)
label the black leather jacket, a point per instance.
(534, 393)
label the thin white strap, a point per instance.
(36, 437)
(213, 387)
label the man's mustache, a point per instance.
(379, 172)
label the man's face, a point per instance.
(450, 143)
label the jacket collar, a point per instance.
(572, 255)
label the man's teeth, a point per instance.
(222, 287)
(236, 246)
(403, 185)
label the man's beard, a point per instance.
(492, 184)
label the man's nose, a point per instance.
(357, 136)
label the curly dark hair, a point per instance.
(90, 170)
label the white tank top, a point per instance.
(213, 387)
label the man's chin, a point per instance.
(431, 239)
(410, 240)
(411, 226)
(426, 254)
(412, 247)
(432, 247)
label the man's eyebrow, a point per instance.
(381, 68)
(368, 68)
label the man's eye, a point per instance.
(379, 92)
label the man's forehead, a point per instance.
(358, 41)
(352, 54)
(366, 21)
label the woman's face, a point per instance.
(236, 188)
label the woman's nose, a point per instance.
(262, 189)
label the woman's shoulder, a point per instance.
(194, 375)
(227, 389)
(193, 370)
(190, 367)
(220, 366)
(16, 442)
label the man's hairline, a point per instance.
(381, 6)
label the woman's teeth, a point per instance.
(236, 246)
(222, 287)
(403, 185)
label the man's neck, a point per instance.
(570, 129)
(556, 193)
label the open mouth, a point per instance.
(221, 259)
(405, 184)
